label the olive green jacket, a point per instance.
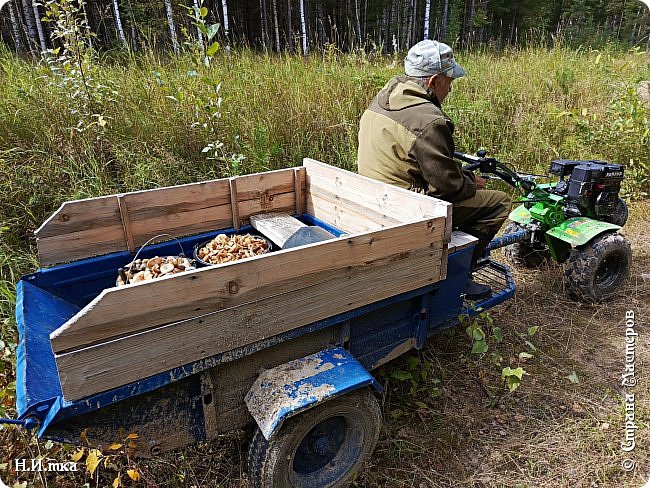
(405, 139)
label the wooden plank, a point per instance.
(298, 182)
(354, 189)
(80, 229)
(124, 215)
(276, 226)
(234, 203)
(80, 215)
(342, 217)
(369, 218)
(131, 308)
(124, 360)
(287, 232)
(92, 227)
(77, 245)
(461, 240)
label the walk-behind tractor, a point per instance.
(574, 221)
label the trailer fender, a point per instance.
(293, 387)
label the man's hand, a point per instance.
(480, 182)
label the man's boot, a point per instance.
(474, 290)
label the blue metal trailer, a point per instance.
(312, 400)
(308, 386)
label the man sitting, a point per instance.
(406, 139)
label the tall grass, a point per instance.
(527, 106)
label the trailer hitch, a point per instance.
(28, 423)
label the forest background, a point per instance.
(115, 96)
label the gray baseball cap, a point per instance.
(429, 58)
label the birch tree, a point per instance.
(172, 26)
(427, 13)
(226, 29)
(276, 27)
(29, 23)
(303, 27)
(14, 28)
(357, 22)
(118, 24)
(39, 27)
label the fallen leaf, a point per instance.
(573, 378)
(132, 436)
(603, 426)
(117, 482)
(92, 461)
(77, 455)
(114, 447)
(133, 474)
(577, 408)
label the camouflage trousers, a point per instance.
(481, 216)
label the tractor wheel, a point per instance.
(619, 217)
(322, 447)
(596, 270)
(524, 253)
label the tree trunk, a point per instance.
(262, 34)
(31, 30)
(118, 24)
(198, 31)
(226, 28)
(277, 27)
(265, 22)
(409, 25)
(513, 27)
(364, 33)
(14, 29)
(444, 21)
(303, 28)
(172, 26)
(289, 26)
(357, 22)
(39, 27)
(469, 28)
(427, 13)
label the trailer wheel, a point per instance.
(596, 270)
(619, 217)
(524, 253)
(322, 447)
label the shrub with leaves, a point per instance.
(71, 66)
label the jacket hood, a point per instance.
(402, 92)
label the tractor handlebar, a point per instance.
(494, 166)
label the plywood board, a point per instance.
(135, 307)
(127, 359)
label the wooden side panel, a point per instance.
(79, 229)
(96, 226)
(132, 308)
(127, 359)
(351, 196)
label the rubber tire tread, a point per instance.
(261, 462)
(522, 254)
(580, 269)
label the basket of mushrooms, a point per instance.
(227, 248)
